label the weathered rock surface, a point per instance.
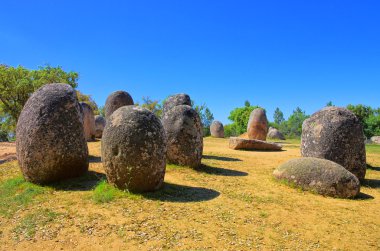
(50, 137)
(134, 149)
(258, 125)
(174, 100)
(319, 175)
(184, 136)
(335, 134)
(253, 144)
(88, 121)
(274, 133)
(116, 100)
(100, 123)
(375, 139)
(217, 129)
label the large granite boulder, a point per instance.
(335, 134)
(375, 139)
(134, 149)
(319, 175)
(258, 125)
(274, 133)
(184, 136)
(217, 129)
(50, 140)
(100, 124)
(174, 100)
(88, 121)
(116, 100)
(253, 144)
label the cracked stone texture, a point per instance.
(258, 125)
(134, 149)
(184, 136)
(335, 134)
(217, 129)
(100, 123)
(319, 175)
(50, 143)
(88, 121)
(174, 100)
(116, 100)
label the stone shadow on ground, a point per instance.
(363, 196)
(86, 182)
(220, 158)
(94, 159)
(180, 193)
(372, 183)
(219, 171)
(374, 168)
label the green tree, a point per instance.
(278, 116)
(206, 117)
(88, 99)
(247, 103)
(361, 111)
(330, 103)
(239, 117)
(372, 125)
(293, 126)
(152, 105)
(18, 83)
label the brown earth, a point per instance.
(231, 203)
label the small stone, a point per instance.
(274, 133)
(217, 129)
(100, 124)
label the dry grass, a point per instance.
(230, 203)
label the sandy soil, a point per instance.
(7, 152)
(231, 203)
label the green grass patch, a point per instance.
(28, 226)
(17, 193)
(372, 148)
(173, 167)
(105, 193)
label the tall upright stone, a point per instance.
(258, 125)
(50, 140)
(217, 129)
(335, 134)
(88, 121)
(184, 136)
(116, 100)
(134, 149)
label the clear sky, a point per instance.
(273, 53)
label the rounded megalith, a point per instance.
(174, 100)
(217, 129)
(274, 133)
(134, 149)
(257, 125)
(335, 134)
(319, 175)
(100, 123)
(116, 100)
(88, 121)
(184, 136)
(50, 140)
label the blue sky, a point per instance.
(273, 53)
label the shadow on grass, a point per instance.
(374, 168)
(220, 158)
(180, 193)
(372, 183)
(363, 196)
(85, 182)
(94, 159)
(219, 171)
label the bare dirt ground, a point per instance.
(7, 152)
(230, 203)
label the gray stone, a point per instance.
(258, 125)
(335, 134)
(375, 139)
(100, 123)
(253, 144)
(134, 149)
(116, 100)
(319, 175)
(184, 133)
(50, 137)
(88, 121)
(217, 129)
(174, 100)
(274, 133)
